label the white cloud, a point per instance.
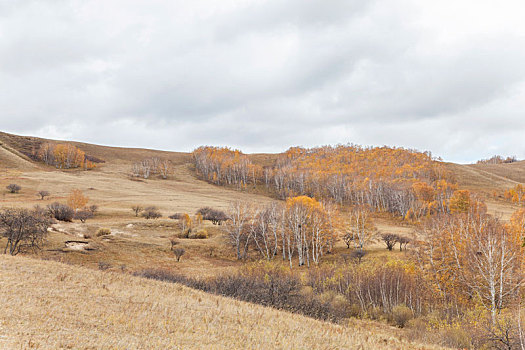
(263, 75)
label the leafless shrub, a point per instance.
(137, 209)
(217, 217)
(179, 252)
(13, 188)
(358, 255)
(102, 265)
(23, 228)
(83, 215)
(151, 213)
(403, 242)
(61, 212)
(176, 216)
(93, 209)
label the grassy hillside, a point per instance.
(51, 305)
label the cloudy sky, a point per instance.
(262, 75)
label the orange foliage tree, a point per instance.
(396, 180)
(77, 199)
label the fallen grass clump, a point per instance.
(103, 232)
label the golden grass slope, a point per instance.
(48, 305)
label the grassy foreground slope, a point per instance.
(52, 305)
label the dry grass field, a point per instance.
(48, 305)
(51, 305)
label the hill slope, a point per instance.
(51, 305)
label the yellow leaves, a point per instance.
(76, 199)
(460, 201)
(424, 191)
(516, 194)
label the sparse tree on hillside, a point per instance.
(43, 194)
(23, 228)
(13, 188)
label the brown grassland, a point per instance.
(48, 304)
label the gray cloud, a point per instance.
(264, 75)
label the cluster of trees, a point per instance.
(404, 182)
(498, 160)
(152, 166)
(470, 257)
(516, 194)
(304, 229)
(64, 156)
(217, 217)
(224, 166)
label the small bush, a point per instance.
(401, 315)
(83, 215)
(200, 234)
(151, 213)
(179, 252)
(13, 188)
(103, 232)
(102, 265)
(176, 216)
(61, 212)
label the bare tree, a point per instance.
(348, 238)
(361, 225)
(237, 227)
(179, 252)
(165, 168)
(43, 194)
(137, 209)
(390, 240)
(13, 188)
(23, 228)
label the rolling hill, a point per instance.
(55, 305)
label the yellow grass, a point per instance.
(48, 305)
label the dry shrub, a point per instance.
(401, 315)
(151, 213)
(458, 338)
(103, 232)
(200, 234)
(61, 212)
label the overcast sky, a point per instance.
(262, 75)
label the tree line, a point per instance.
(406, 183)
